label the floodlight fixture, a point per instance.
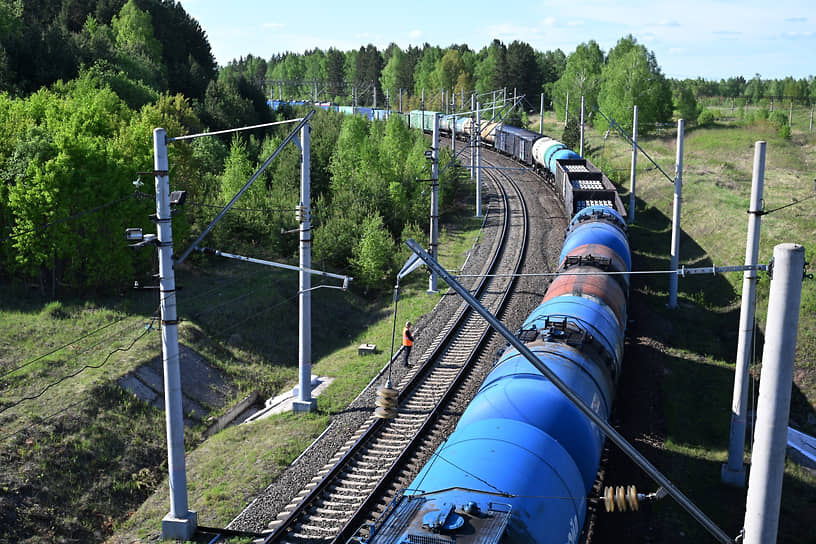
(177, 198)
(134, 234)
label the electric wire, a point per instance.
(224, 283)
(77, 372)
(67, 344)
(261, 312)
(69, 218)
(788, 205)
(435, 455)
(218, 207)
(681, 271)
(229, 130)
(615, 124)
(393, 331)
(43, 419)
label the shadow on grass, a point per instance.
(706, 320)
(688, 444)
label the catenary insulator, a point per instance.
(386, 403)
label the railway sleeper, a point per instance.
(354, 477)
(340, 492)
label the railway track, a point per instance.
(361, 478)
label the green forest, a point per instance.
(84, 82)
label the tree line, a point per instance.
(84, 82)
(628, 74)
(610, 81)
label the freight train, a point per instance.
(522, 459)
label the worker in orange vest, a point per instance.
(407, 342)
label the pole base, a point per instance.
(179, 528)
(300, 406)
(731, 477)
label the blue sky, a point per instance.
(690, 38)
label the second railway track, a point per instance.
(356, 480)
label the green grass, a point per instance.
(701, 334)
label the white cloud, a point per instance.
(666, 22)
(575, 23)
(796, 20)
(797, 35)
(415, 34)
(548, 21)
(273, 25)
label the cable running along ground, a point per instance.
(55, 350)
(77, 372)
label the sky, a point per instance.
(712, 39)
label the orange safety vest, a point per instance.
(407, 337)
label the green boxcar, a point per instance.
(424, 119)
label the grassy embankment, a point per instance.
(85, 456)
(698, 340)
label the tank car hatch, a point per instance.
(438, 518)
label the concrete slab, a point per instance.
(285, 402)
(153, 379)
(137, 387)
(203, 387)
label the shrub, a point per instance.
(571, 136)
(778, 119)
(785, 132)
(55, 310)
(705, 118)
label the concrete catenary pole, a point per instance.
(494, 104)
(400, 100)
(541, 118)
(432, 281)
(773, 406)
(422, 107)
(473, 135)
(180, 523)
(478, 151)
(678, 192)
(733, 472)
(304, 401)
(633, 173)
(453, 132)
(375, 95)
(566, 111)
(581, 152)
(811, 118)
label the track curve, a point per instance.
(344, 495)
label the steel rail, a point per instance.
(363, 512)
(286, 525)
